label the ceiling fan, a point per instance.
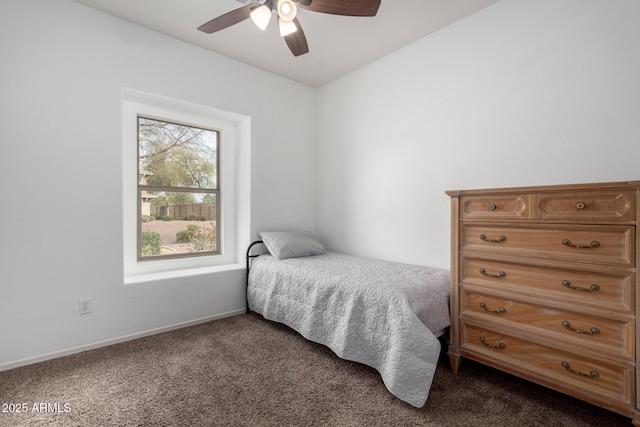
(260, 12)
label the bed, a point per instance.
(384, 314)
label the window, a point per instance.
(178, 190)
(219, 187)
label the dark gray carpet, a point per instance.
(246, 371)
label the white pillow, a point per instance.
(291, 244)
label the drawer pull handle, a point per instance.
(484, 273)
(500, 239)
(592, 374)
(501, 310)
(492, 207)
(592, 288)
(594, 331)
(500, 346)
(593, 244)
(580, 205)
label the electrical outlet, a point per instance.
(84, 306)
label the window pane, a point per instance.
(176, 223)
(174, 155)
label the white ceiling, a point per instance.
(337, 44)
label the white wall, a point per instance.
(63, 67)
(521, 93)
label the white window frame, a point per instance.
(234, 171)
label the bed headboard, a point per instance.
(250, 255)
(254, 254)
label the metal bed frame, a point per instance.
(248, 261)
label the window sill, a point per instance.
(173, 274)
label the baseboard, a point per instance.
(92, 346)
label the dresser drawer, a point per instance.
(608, 336)
(607, 380)
(609, 245)
(497, 206)
(606, 290)
(596, 205)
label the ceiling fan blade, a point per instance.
(228, 19)
(297, 41)
(342, 7)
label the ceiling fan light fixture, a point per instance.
(261, 16)
(287, 28)
(287, 10)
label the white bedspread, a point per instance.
(374, 312)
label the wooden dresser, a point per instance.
(544, 287)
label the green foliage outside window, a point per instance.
(151, 243)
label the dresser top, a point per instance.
(623, 185)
